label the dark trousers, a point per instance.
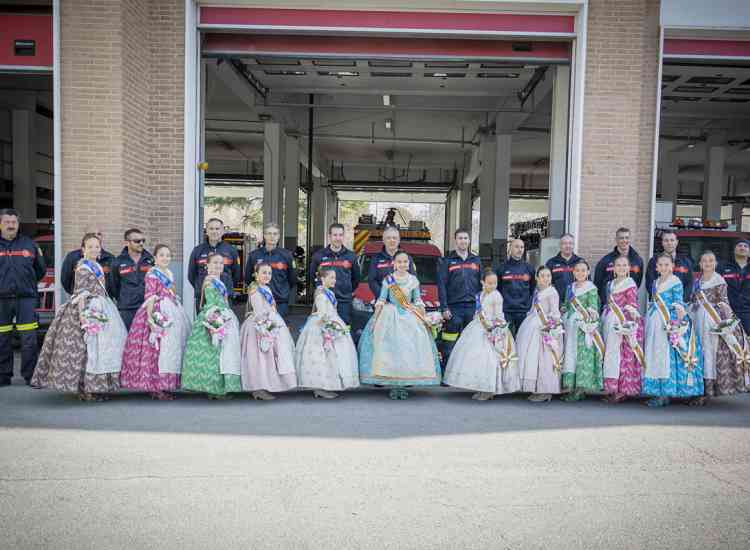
(127, 316)
(345, 311)
(18, 312)
(514, 319)
(744, 318)
(461, 316)
(282, 308)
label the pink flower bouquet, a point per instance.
(215, 321)
(267, 332)
(159, 324)
(93, 319)
(331, 330)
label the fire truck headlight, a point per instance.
(360, 305)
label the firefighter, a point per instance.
(517, 280)
(604, 272)
(284, 275)
(232, 274)
(340, 259)
(129, 275)
(561, 266)
(105, 259)
(736, 273)
(683, 266)
(381, 264)
(459, 282)
(21, 268)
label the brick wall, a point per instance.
(619, 122)
(122, 125)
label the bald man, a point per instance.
(516, 283)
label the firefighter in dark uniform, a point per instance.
(284, 276)
(337, 257)
(232, 274)
(605, 269)
(459, 282)
(736, 273)
(683, 266)
(561, 266)
(129, 275)
(516, 280)
(381, 264)
(68, 269)
(21, 268)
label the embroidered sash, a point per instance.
(631, 339)
(403, 301)
(592, 336)
(741, 351)
(556, 357)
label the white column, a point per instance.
(451, 218)
(558, 165)
(291, 193)
(669, 180)
(713, 180)
(272, 173)
(502, 196)
(24, 164)
(488, 158)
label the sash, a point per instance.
(330, 295)
(266, 294)
(93, 267)
(740, 350)
(478, 302)
(688, 355)
(506, 353)
(586, 317)
(220, 287)
(403, 301)
(632, 340)
(662, 309)
(557, 359)
(163, 278)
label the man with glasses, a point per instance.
(68, 269)
(129, 275)
(232, 274)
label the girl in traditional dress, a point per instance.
(674, 359)
(267, 347)
(726, 354)
(82, 352)
(484, 358)
(622, 329)
(397, 347)
(212, 355)
(326, 358)
(540, 341)
(584, 346)
(153, 352)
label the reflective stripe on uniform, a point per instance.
(28, 326)
(450, 336)
(6, 328)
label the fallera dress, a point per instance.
(622, 330)
(584, 345)
(396, 348)
(326, 359)
(484, 358)
(79, 359)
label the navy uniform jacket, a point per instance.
(282, 265)
(129, 279)
(344, 263)
(604, 272)
(22, 266)
(232, 274)
(459, 281)
(516, 281)
(738, 285)
(683, 269)
(381, 266)
(68, 269)
(562, 273)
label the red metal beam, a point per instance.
(26, 27)
(676, 47)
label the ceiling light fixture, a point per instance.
(388, 123)
(387, 100)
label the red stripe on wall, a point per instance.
(371, 46)
(26, 27)
(497, 22)
(721, 48)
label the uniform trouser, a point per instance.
(461, 316)
(282, 308)
(127, 316)
(514, 319)
(18, 312)
(344, 310)
(744, 318)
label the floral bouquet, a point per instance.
(159, 324)
(434, 322)
(267, 332)
(552, 331)
(332, 330)
(496, 330)
(215, 321)
(93, 319)
(676, 330)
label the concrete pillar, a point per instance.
(669, 180)
(291, 193)
(451, 218)
(714, 180)
(24, 164)
(464, 206)
(272, 173)
(488, 158)
(558, 162)
(331, 209)
(502, 197)
(316, 218)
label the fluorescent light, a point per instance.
(388, 123)
(387, 100)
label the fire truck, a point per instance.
(415, 241)
(696, 236)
